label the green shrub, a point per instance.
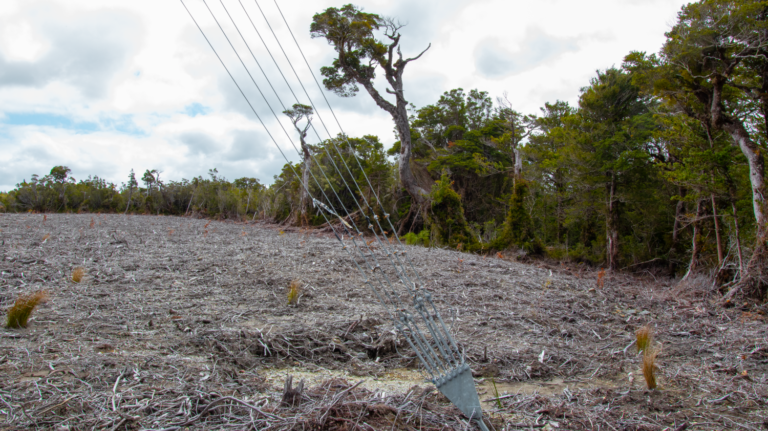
(447, 217)
(517, 226)
(580, 253)
(422, 238)
(534, 247)
(557, 253)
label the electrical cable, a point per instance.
(401, 272)
(407, 282)
(283, 154)
(404, 252)
(405, 318)
(415, 333)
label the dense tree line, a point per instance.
(660, 164)
(214, 196)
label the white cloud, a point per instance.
(103, 87)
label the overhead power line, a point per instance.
(336, 233)
(381, 277)
(441, 356)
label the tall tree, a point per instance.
(608, 147)
(519, 127)
(131, 184)
(60, 175)
(545, 151)
(297, 114)
(714, 67)
(706, 49)
(359, 55)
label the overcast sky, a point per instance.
(104, 87)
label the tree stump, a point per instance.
(292, 396)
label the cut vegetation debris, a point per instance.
(194, 331)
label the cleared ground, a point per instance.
(184, 323)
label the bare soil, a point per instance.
(184, 323)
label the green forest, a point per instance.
(659, 167)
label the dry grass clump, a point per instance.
(294, 291)
(18, 315)
(77, 274)
(649, 365)
(644, 338)
(644, 335)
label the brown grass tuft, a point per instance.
(18, 315)
(601, 278)
(92, 223)
(294, 291)
(77, 274)
(644, 334)
(649, 365)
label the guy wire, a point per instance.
(291, 166)
(394, 297)
(406, 281)
(404, 251)
(394, 231)
(345, 136)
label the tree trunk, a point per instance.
(130, 195)
(717, 231)
(612, 226)
(756, 164)
(560, 190)
(679, 208)
(247, 204)
(738, 241)
(63, 195)
(399, 113)
(696, 246)
(518, 163)
(191, 198)
(752, 279)
(407, 179)
(305, 178)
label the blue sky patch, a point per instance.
(49, 120)
(120, 124)
(195, 109)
